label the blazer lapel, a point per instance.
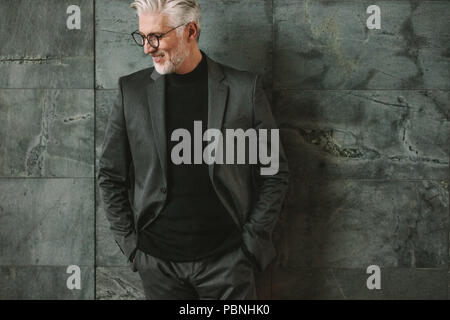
(156, 101)
(217, 98)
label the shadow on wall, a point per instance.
(309, 204)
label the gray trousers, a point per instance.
(230, 276)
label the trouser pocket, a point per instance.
(134, 264)
(247, 256)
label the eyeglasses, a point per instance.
(152, 38)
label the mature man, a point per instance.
(191, 230)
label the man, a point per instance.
(192, 230)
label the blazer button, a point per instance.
(164, 190)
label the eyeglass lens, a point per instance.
(140, 39)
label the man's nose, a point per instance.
(148, 49)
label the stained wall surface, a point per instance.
(364, 119)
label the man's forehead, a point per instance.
(152, 22)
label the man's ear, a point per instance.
(191, 30)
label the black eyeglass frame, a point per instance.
(158, 37)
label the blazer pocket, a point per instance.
(239, 123)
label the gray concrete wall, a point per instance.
(364, 118)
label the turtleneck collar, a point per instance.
(200, 73)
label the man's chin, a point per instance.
(163, 68)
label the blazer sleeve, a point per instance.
(272, 189)
(113, 178)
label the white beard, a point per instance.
(169, 66)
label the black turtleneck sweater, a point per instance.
(193, 224)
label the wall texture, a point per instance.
(364, 116)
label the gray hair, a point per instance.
(178, 11)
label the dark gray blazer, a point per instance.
(132, 175)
